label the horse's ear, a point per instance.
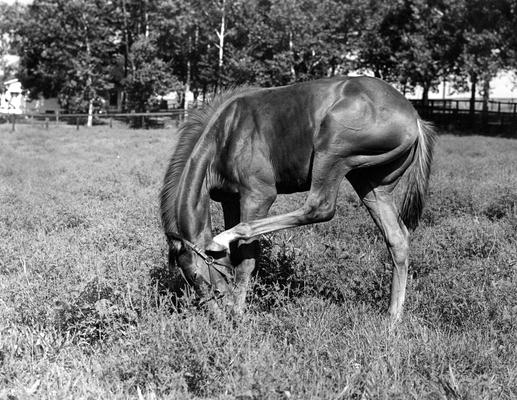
(177, 245)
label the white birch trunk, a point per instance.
(291, 51)
(187, 83)
(89, 122)
(221, 34)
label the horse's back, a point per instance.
(367, 108)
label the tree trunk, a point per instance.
(486, 97)
(187, 82)
(89, 81)
(425, 94)
(486, 93)
(221, 34)
(89, 122)
(291, 52)
(473, 82)
(126, 55)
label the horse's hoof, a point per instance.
(237, 315)
(215, 247)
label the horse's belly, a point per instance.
(293, 186)
(294, 176)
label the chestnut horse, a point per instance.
(250, 144)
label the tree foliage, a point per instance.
(10, 15)
(67, 50)
(412, 42)
(82, 49)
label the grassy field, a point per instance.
(85, 311)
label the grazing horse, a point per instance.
(250, 144)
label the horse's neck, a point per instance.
(192, 205)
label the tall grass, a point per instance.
(85, 310)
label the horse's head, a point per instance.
(211, 275)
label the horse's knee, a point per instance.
(399, 247)
(243, 230)
(245, 249)
(320, 212)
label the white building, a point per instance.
(12, 100)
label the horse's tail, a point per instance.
(418, 175)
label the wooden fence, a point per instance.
(143, 120)
(500, 117)
(463, 106)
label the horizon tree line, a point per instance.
(79, 50)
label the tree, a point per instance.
(66, 51)
(484, 45)
(273, 43)
(10, 17)
(148, 76)
(181, 39)
(413, 42)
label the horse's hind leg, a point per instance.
(380, 203)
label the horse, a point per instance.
(250, 144)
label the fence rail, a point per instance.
(498, 118)
(464, 106)
(146, 120)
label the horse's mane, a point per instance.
(189, 134)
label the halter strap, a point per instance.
(223, 268)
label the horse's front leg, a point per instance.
(253, 205)
(247, 254)
(319, 207)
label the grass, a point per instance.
(85, 311)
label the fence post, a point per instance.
(111, 122)
(76, 123)
(57, 116)
(46, 124)
(13, 127)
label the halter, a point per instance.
(223, 268)
(226, 270)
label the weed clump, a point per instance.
(443, 203)
(276, 278)
(505, 205)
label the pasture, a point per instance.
(85, 310)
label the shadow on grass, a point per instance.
(173, 290)
(283, 276)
